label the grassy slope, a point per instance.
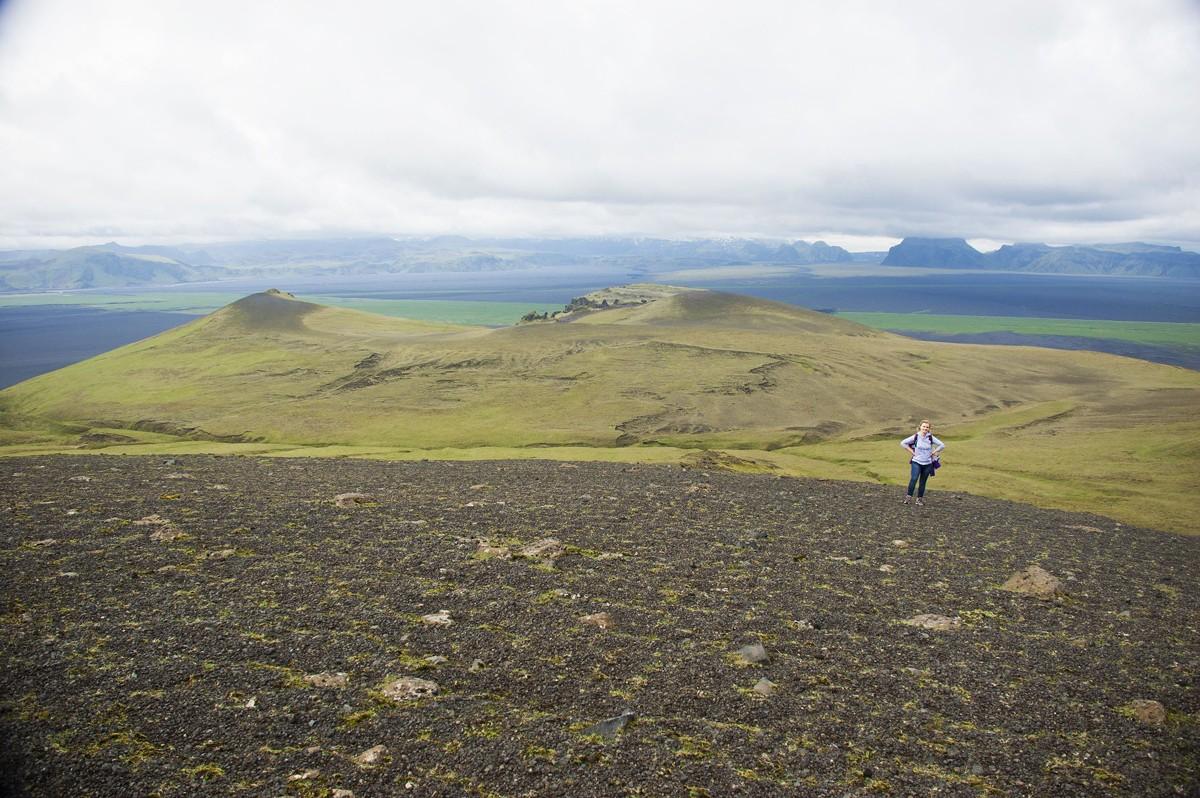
(809, 393)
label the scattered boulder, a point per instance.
(765, 687)
(342, 793)
(218, 554)
(601, 620)
(936, 623)
(327, 679)
(546, 549)
(311, 773)
(372, 756)
(80, 478)
(37, 544)
(354, 500)
(753, 654)
(165, 534)
(887, 569)
(610, 727)
(1147, 712)
(435, 660)
(476, 666)
(901, 544)
(409, 688)
(1034, 581)
(439, 618)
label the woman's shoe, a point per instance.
(920, 502)
(907, 499)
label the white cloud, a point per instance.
(1060, 121)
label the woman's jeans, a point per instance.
(922, 473)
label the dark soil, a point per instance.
(134, 666)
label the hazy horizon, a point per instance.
(853, 244)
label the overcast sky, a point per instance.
(856, 122)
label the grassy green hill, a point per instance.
(790, 390)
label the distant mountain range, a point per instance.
(104, 266)
(113, 265)
(1133, 258)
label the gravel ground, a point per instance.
(218, 626)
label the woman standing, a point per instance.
(923, 449)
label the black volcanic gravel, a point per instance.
(134, 666)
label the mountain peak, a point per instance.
(272, 309)
(935, 253)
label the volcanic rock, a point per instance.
(409, 688)
(753, 654)
(371, 756)
(546, 549)
(326, 679)
(765, 687)
(610, 727)
(937, 623)
(601, 620)
(1150, 713)
(353, 499)
(1034, 581)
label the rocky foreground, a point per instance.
(227, 625)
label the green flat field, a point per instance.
(1144, 332)
(488, 314)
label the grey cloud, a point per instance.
(1072, 121)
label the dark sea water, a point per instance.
(34, 340)
(1034, 295)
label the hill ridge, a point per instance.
(789, 389)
